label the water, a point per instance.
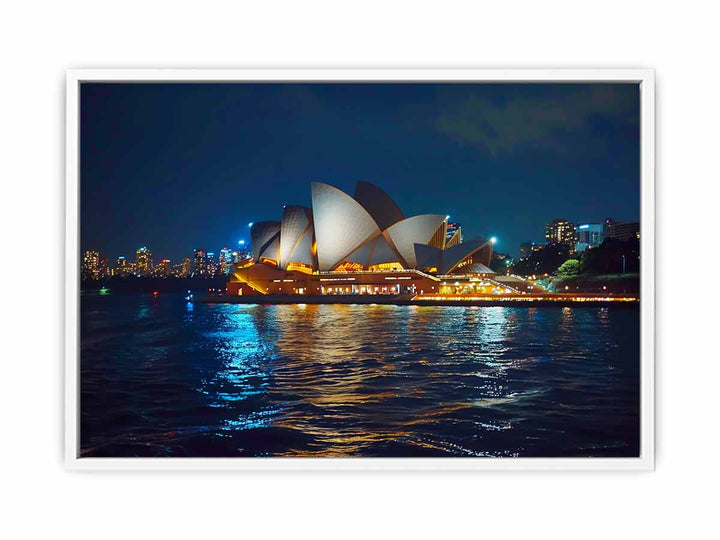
(166, 378)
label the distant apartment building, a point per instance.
(211, 266)
(243, 253)
(588, 235)
(560, 232)
(143, 262)
(122, 267)
(225, 261)
(163, 269)
(200, 263)
(90, 265)
(176, 270)
(186, 269)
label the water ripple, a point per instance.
(162, 378)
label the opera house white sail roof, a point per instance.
(296, 236)
(265, 239)
(365, 231)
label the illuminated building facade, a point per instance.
(200, 266)
(560, 231)
(362, 244)
(225, 261)
(186, 269)
(143, 262)
(122, 267)
(90, 265)
(210, 265)
(243, 252)
(588, 235)
(163, 269)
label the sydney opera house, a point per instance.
(362, 244)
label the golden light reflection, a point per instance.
(330, 365)
(368, 387)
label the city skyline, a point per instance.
(97, 264)
(205, 160)
(582, 236)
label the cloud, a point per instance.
(549, 122)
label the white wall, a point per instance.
(38, 42)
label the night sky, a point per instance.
(178, 167)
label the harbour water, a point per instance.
(164, 377)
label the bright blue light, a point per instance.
(250, 224)
(583, 226)
(241, 242)
(493, 240)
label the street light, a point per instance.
(493, 240)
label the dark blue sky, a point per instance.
(184, 166)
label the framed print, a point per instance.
(360, 269)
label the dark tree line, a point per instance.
(608, 258)
(545, 260)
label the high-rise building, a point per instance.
(225, 261)
(624, 231)
(185, 268)
(560, 231)
(588, 235)
(122, 267)
(200, 263)
(143, 262)
(211, 268)
(243, 252)
(163, 269)
(606, 227)
(90, 265)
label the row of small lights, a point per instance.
(531, 298)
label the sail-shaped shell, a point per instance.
(378, 204)
(376, 251)
(410, 231)
(458, 253)
(295, 229)
(262, 235)
(341, 223)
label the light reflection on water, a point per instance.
(177, 379)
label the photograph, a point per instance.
(359, 269)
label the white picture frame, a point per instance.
(644, 77)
